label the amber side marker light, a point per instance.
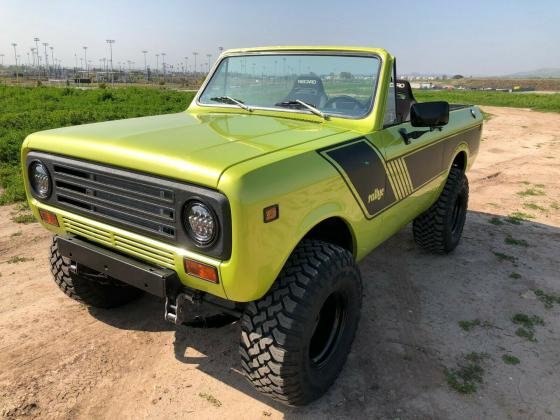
(271, 213)
(48, 217)
(202, 271)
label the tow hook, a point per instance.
(176, 306)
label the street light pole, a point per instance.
(85, 60)
(195, 54)
(157, 65)
(163, 64)
(111, 42)
(15, 56)
(2, 60)
(36, 39)
(52, 58)
(145, 63)
(45, 45)
(209, 56)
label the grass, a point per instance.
(24, 110)
(496, 221)
(469, 325)
(527, 325)
(548, 299)
(16, 259)
(505, 257)
(533, 206)
(515, 275)
(476, 357)
(517, 217)
(549, 102)
(533, 192)
(468, 374)
(528, 321)
(211, 399)
(517, 242)
(525, 333)
(510, 360)
(24, 218)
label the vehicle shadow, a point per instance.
(408, 331)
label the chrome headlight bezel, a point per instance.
(42, 192)
(204, 211)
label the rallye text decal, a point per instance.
(362, 168)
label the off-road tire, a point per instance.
(282, 334)
(90, 288)
(439, 229)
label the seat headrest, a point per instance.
(404, 90)
(308, 88)
(308, 82)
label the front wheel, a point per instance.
(295, 340)
(89, 287)
(439, 229)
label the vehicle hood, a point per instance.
(184, 146)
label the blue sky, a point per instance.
(469, 37)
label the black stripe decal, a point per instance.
(362, 167)
(426, 163)
(371, 182)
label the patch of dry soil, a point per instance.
(59, 359)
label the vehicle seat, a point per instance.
(405, 99)
(308, 88)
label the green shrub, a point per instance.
(539, 102)
(24, 110)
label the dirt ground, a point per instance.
(59, 359)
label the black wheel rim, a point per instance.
(328, 330)
(457, 215)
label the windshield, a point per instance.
(337, 85)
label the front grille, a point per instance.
(140, 203)
(150, 253)
(116, 197)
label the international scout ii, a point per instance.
(290, 166)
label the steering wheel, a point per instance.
(344, 102)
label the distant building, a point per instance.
(422, 85)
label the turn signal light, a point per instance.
(271, 213)
(202, 271)
(48, 217)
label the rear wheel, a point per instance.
(439, 229)
(89, 287)
(295, 340)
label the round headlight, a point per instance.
(200, 222)
(40, 179)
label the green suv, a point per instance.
(288, 168)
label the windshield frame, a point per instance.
(305, 112)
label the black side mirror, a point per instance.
(429, 114)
